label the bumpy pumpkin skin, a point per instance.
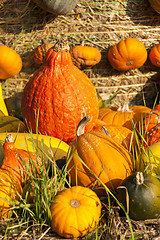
(107, 159)
(127, 54)
(9, 189)
(154, 55)
(77, 220)
(62, 93)
(155, 4)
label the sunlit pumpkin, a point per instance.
(154, 55)
(81, 211)
(127, 54)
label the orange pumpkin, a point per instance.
(15, 158)
(10, 62)
(154, 55)
(85, 56)
(120, 134)
(41, 52)
(105, 159)
(127, 54)
(61, 93)
(152, 118)
(155, 4)
(125, 116)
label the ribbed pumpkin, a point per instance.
(62, 94)
(104, 157)
(129, 53)
(124, 115)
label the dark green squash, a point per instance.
(57, 7)
(13, 105)
(140, 195)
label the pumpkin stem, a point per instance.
(74, 203)
(139, 178)
(82, 124)
(105, 131)
(9, 138)
(61, 45)
(124, 108)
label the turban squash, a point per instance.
(59, 95)
(104, 158)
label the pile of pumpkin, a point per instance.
(103, 146)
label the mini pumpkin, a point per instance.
(10, 62)
(154, 55)
(18, 161)
(85, 57)
(104, 158)
(58, 96)
(81, 211)
(127, 54)
(140, 195)
(10, 188)
(40, 52)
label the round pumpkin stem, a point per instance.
(139, 179)
(61, 45)
(124, 108)
(130, 63)
(74, 203)
(82, 124)
(9, 138)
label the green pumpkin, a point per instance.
(140, 195)
(57, 7)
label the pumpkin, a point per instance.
(13, 104)
(10, 62)
(125, 116)
(3, 107)
(40, 52)
(127, 54)
(51, 147)
(10, 188)
(152, 118)
(12, 124)
(59, 95)
(139, 193)
(85, 57)
(104, 158)
(152, 136)
(120, 134)
(81, 211)
(17, 161)
(154, 55)
(155, 4)
(57, 7)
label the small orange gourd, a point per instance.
(85, 56)
(154, 55)
(104, 157)
(81, 211)
(16, 161)
(127, 54)
(10, 62)
(59, 95)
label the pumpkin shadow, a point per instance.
(149, 94)
(141, 13)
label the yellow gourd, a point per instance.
(3, 107)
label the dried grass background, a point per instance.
(99, 23)
(93, 23)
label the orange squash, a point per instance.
(85, 56)
(154, 55)
(127, 54)
(105, 159)
(61, 93)
(125, 116)
(16, 161)
(10, 62)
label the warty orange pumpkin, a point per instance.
(127, 54)
(59, 95)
